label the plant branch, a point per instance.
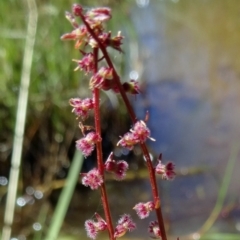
(134, 119)
(100, 163)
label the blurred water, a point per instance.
(191, 82)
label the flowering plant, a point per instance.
(91, 39)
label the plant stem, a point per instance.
(156, 197)
(65, 197)
(100, 163)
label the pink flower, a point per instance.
(93, 227)
(85, 147)
(116, 42)
(106, 72)
(77, 9)
(92, 179)
(154, 230)
(79, 34)
(125, 223)
(100, 14)
(143, 209)
(86, 144)
(138, 134)
(102, 37)
(141, 131)
(86, 64)
(81, 107)
(99, 80)
(106, 39)
(167, 171)
(119, 168)
(128, 141)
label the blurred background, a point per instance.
(185, 55)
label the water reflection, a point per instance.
(26, 199)
(38, 194)
(134, 75)
(3, 181)
(191, 89)
(37, 226)
(30, 190)
(142, 3)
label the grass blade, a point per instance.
(65, 197)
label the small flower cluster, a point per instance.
(86, 64)
(93, 227)
(154, 230)
(92, 179)
(125, 223)
(103, 79)
(143, 209)
(94, 18)
(81, 107)
(87, 143)
(117, 168)
(165, 170)
(138, 134)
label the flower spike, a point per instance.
(92, 41)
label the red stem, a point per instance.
(134, 119)
(100, 163)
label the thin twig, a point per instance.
(99, 152)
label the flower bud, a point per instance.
(77, 9)
(167, 171)
(154, 230)
(125, 223)
(119, 168)
(132, 87)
